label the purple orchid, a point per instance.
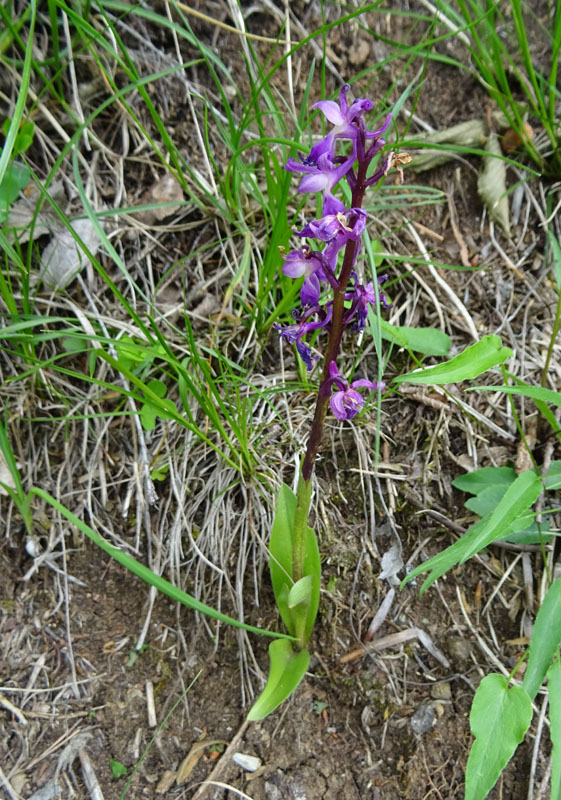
(339, 229)
(346, 225)
(305, 262)
(345, 120)
(347, 402)
(361, 298)
(304, 325)
(323, 178)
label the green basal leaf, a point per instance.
(287, 667)
(480, 479)
(301, 592)
(312, 568)
(429, 341)
(280, 566)
(280, 549)
(546, 638)
(499, 718)
(554, 688)
(473, 361)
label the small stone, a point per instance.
(460, 650)
(423, 719)
(441, 691)
(249, 763)
(359, 53)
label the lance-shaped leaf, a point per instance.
(517, 499)
(312, 569)
(499, 718)
(429, 341)
(546, 638)
(298, 617)
(287, 667)
(280, 548)
(470, 363)
(554, 688)
(535, 392)
(480, 479)
(503, 521)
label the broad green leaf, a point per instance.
(519, 496)
(24, 138)
(429, 341)
(478, 480)
(499, 718)
(16, 178)
(312, 567)
(287, 667)
(535, 392)
(554, 688)
(546, 637)
(489, 484)
(495, 526)
(553, 477)
(487, 500)
(280, 548)
(534, 533)
(301, 592)
(473, 361)
(141, 571)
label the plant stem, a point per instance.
(304, 491)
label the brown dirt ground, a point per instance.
(347, 733)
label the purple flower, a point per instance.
(305, 262)
(345, 119)
(346, 403)
(345, 224)
(295, 333)
(362, 297)
(323, 178)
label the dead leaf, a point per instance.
(492, 184)
(166, 190)
(63, 257)
(166, 781)
(192, 759)
(5, 475)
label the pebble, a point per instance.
(460, 650)
(249, 763)
(423, 719)
(441, 691)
